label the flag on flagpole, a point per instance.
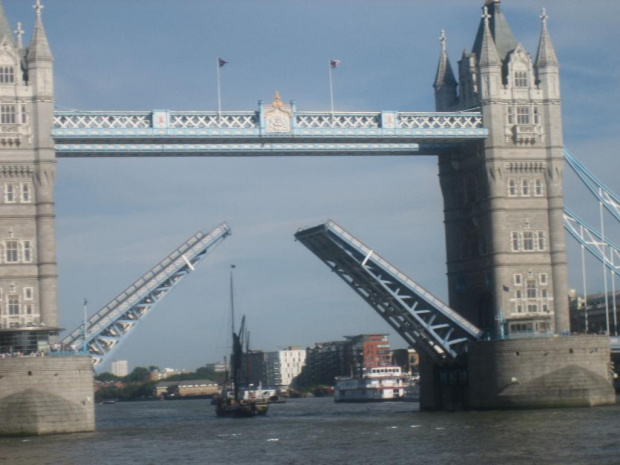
(506, 289)
(333, 64)
(220, 63)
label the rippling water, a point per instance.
(318, 431)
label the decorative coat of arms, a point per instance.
(278, 117)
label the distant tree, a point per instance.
(153, 368)
(138, 374)
(205, 373)
(106, 377)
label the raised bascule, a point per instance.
(501, 342)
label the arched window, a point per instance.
(538, 188)
(525, 187)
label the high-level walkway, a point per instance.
(275, 129)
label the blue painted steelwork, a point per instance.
(110, 325)
(267, 132)
(420, 318)
(603, 193)
(606, 252)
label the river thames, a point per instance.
(318, 431)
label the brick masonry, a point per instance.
(46, 395)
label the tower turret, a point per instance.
(5, 27)
(41, 82)
(445, 83)
(506, 194)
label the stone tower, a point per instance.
(28, 277)
(503, 197)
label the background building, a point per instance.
(407, 359)
(367, 351)
(283, 366)
(218, 367)
(326, 360)
(597, 309)
(252, 368)
(120, 368)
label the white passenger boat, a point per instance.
(375, 385)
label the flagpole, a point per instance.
(219, 93)
(331, 85)
(85, 324)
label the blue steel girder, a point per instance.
(107, 328)
(247, 133)
(602, 193)
(426, 323)
(603, 250)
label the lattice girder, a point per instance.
(603, 194)
(107, 328)
(421, 319)
(605, 251)
(193, 133)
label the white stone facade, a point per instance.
(503, 198)
(28, 278)
(283, 366)
(120, 368)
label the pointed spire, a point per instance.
(38, 6)
(500, 30)
(19, 32)
(5, 27)
(488, 51)
(546, 54)
(445, 75)
(39, 47)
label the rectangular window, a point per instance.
(515, 240)
(531, 289)
(27, 251)
(9, 192)
(523, 114)
(532, 307)
(518, 280)
(7, 75)
(13, 305)
(24, 115)
(7, 114)
(528, 240)
(542, 277)
(520, 78)
(510, 115)
(543, 293)
(28, 309)
(28, 293)
(542, 240)
(12, 252)
(536, 115)
(26, 197)
(518, 294)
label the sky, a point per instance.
(116, 218)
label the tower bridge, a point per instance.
(497, 132)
